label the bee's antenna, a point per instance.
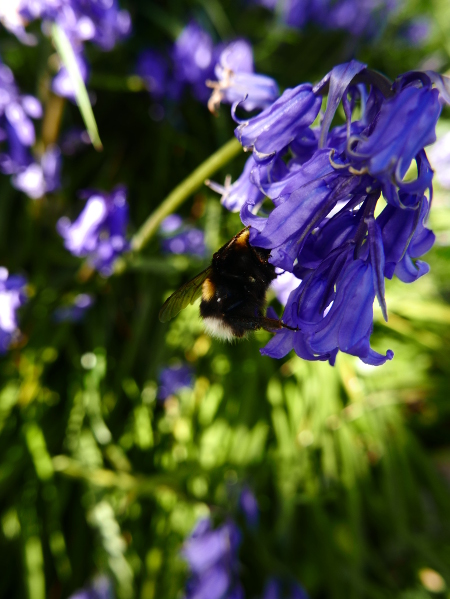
(286, 326)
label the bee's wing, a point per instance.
(187, 294)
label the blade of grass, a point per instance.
(67, 56)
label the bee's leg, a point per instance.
(247, 323)
(286, 326)
(273, 324)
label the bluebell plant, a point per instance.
(102, 23)
(35, 177)
(17, 133)
(153, 67)
(194, 57)
(212, 556)
(40, 177)
(12, 297)
(178, 237)
(172, 379)
(348, 211)
(358, 17)
(196, 62)
(99, 232)
(236, 80)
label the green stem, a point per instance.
(176, 197)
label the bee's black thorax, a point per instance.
(234, 294)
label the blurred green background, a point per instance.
(350, 465)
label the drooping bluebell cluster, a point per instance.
(178, 237)
(17, 133)
(188, 63)
(12, 20)
(17, 136)
(193, 58)
(325, 183)
(99, 232)
(196, 62)
(40, 177)
(212, 556)
(355, 16)
(100, 22)
(173, 378)
(12, 297)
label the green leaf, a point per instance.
(67, 56)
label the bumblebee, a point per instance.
(233, 291)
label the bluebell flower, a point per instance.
(417, 31)
(180, 238)
(37, 179)
(405, 124)
(171, 224)
(325, 183)
(12, 297)
(237, 82)
(358, 17)
(405, 237)
(173, 378)
(153, 68)
(100, 22)
(279, 124)
(191, 241)
(296, 13)
(75, 311)
(242, 192)
(12, 20)
(99, 233)
(16, 127)
(212, 556)
(193, 59)
(62, 83)
(277, 589)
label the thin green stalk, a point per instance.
(176, 197)
(67, 55)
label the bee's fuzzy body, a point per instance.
(234, 293)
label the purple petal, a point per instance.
(339, 79)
